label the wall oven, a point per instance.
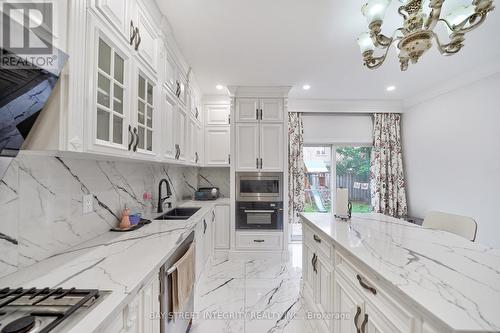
(258, 186)
(259, 215)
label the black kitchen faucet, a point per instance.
(160, 199)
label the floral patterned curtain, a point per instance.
(386, 170)
(295, 166)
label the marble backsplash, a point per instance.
(41, 202)
(218, 177)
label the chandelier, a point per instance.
(417, 34)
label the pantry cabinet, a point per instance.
(259, 147)
(264, 109)
(247, 147)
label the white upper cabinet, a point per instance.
(217, 146)
(146, 43)
(108, 93)
(217, 115)
(145, 115)
(247, 109)
(170, 72)
(180, 130)
(271, 147)
(247, 147)
(117, 14)
(168, 134)
(271, 110)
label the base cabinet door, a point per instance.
(307, 270)
(222, 228)
(349, 303)
(150, 306)
(324, 291)
(199, 249)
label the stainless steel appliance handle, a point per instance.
(259, 211)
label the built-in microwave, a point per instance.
(259, 215)
(259, 186)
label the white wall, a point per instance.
(452, 155)
(338, 128)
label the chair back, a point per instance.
(461, 225)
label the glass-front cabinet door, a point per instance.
(109, 92)
(145, 114)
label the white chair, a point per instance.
(461, 225)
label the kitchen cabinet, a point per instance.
(150, 304)
(135, 317)
(259, 240)
(259, 147)
(180, 133)
(247, 147)
(117, 13)
(222, 228)
(199, 236)
(208, 227)
(168, 110)
(217, 146)
(217, 115)
(110, 121)
(146, 45)
(145, 114)
(348, 301)
(193, 141)
(271, 147)
(263, 110)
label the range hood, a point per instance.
(24, 91)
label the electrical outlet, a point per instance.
(88, 203)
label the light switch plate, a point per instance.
(88, 203)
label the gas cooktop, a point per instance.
(44, 310)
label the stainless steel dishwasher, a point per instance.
(174, 323)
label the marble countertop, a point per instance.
(449, 277)
(116, 262)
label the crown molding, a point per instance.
(453, 83)
(344, 106)
(259, 91)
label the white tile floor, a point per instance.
(251, 295)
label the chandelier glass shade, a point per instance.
(417, 35)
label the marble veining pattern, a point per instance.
(41, 202)
(456, 280)
(252, 295)
(218, 177)
(104, 263)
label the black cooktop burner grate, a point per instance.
(8, 296)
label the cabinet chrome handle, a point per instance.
(228, 158)
(314, 262)
(261, 163)
(317, 239)
(136, 139)
(258, 241)
(229, 119)
(364, 285)
(356, 317)
(213, 216)
(137, 39)
(363, 325)
(196, 157)
(133, 32)
(257, 114)
(204, 226)
(257, 163)
(260, 114)
(131, 141)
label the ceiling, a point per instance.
(297, 42)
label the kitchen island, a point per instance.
(392, 276)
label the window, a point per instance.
(351, 170)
